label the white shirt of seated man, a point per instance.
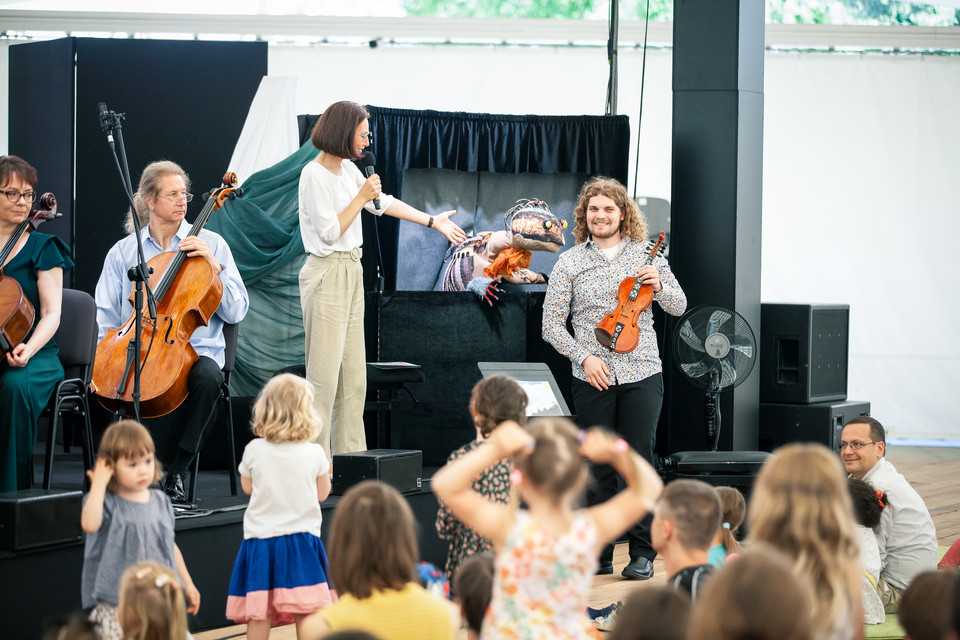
(906, 535)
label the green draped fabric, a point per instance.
(263, 230)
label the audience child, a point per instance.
(657, 612)
(76, 627)
(281, 572)
(151, 604)
(433, 580)
(546, 554)
(473, 585)
(800, 505)
(684, 522)
(126, 522)
(733, 508)
(951, 559)
(373, 563)
(352, 634)
(868, 504)
(925, 609)
(956, 608)
(493, 400)
(758, 597)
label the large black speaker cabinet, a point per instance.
(822, 422)
(38, 517)
(803, 352)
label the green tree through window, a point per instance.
(864, 12)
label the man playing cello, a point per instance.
(161, 202)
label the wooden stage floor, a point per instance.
(933, 472)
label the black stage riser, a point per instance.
(209, 545)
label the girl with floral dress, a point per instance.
(493, 400)
(547, 554)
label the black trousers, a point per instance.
(187, 426)
(632, 411)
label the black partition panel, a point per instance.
(184, 101)
(447, 334)
(41, 123)
(716, 198)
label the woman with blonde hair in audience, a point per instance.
(801, 506)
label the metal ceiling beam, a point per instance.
(460, 30)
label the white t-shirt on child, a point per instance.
(284, 498)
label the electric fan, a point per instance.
(715, 349)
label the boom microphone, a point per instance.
(368, 160)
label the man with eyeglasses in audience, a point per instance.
(906, 535)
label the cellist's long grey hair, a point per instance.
(149, 188)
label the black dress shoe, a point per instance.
(638, 569)
(173, 487)
(605, 569)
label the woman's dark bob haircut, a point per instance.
(335, 130)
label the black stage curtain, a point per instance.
(424, 139)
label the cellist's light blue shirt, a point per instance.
(113, 288)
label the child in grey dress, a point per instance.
(126, 522)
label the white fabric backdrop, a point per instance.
(270, 131)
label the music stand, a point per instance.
(543, 394)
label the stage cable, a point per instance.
(612, 41)
(643, 76)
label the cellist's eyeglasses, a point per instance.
(176, 196)
(14, 196)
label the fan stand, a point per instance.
(711, 410)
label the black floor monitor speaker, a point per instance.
(803, 352)
(400, 468)
(736, 469)
(822, 422)
(39, 517)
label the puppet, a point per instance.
(481, 262)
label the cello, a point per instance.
(618, 331)
(16, 312)
(187, 293)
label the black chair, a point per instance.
(385, 380)
(76, 339)
(229, 356)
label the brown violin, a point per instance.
(618, 331)
(16, 312)
(188, 294)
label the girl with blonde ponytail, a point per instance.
(800, 505)
(151, 604)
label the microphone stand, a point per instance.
(139, 273)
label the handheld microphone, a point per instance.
(368, 160)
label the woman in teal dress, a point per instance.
(30, 371)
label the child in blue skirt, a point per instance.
(281, 571)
